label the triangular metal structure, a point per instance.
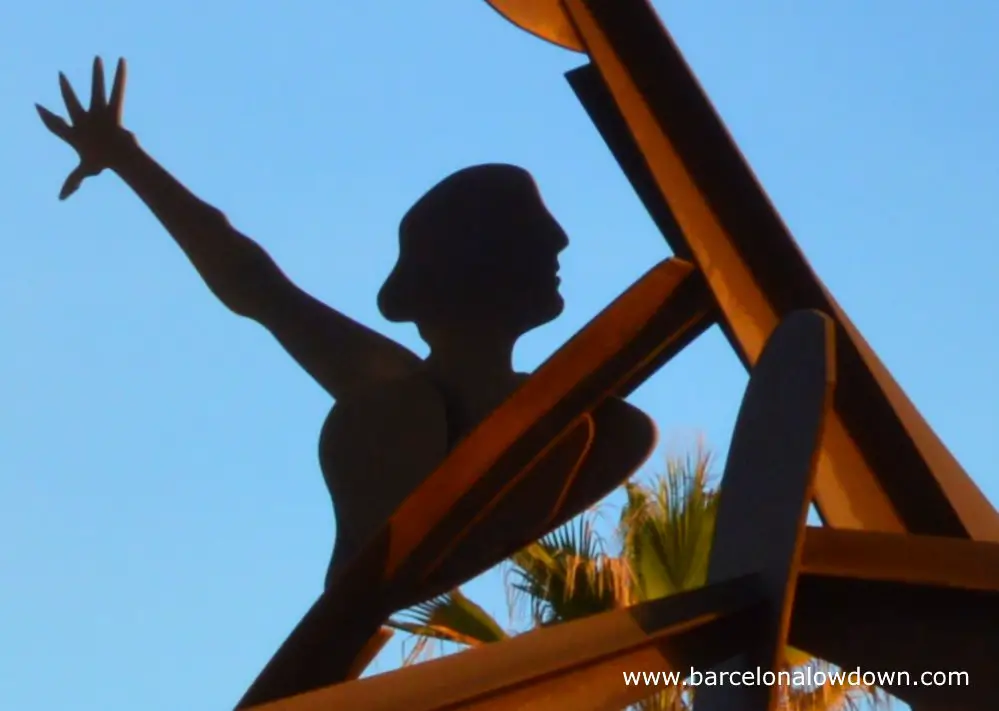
(903, 577)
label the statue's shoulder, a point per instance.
(393, 413)
(411, 389)
(379, 444)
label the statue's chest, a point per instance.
(377, 449)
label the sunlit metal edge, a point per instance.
(574, 44)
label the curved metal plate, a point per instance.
(546, 19)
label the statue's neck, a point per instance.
(475, 377)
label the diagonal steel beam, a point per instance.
(577, 665)
(882, 466)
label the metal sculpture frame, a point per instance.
(904, 576)
(908, 560)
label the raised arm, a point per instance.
(334, 349)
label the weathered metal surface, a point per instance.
(545, 19)
(882, 467)
(901, 558)
(576, 665)
(765, 492)
(891, 627)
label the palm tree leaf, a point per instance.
(672, 699)
(567, 575)
(452, 617)
(666, 528)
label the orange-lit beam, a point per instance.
(576, 665)
(881, 467)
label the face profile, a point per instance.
(480, 247)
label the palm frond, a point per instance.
(452, 618)
(567, 575)
(666, 528)
(666, 700)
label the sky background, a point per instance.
(163, 521)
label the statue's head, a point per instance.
(479, 248)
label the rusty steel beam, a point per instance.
(765, 490)
(893, 627)
(882, 466)
(576, 665)
(890, 557)
(544, 19)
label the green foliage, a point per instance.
(666, 528)
(567, 575)
(452, 617)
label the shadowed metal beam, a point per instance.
(368, 653)
(577, 665)
(892, 627)
(906, 558)
(882, 467)
(766, 489)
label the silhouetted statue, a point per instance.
(478, 268)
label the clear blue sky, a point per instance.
(164, 523)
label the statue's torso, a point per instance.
(377, 447)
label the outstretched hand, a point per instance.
(95, 134)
